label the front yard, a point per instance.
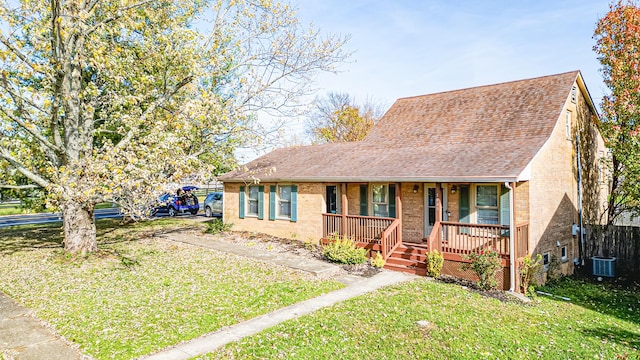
(458, 324)
(141, 294)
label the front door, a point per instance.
(429, 209)
(332, 199)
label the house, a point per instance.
(516, 166)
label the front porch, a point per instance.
(453, 240)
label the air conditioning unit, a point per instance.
(604, 266)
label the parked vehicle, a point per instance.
(213, 204)
(182, 202)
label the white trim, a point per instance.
(247, 201)
(279, 216)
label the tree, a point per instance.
(618, 47)
(110, 100)
(337, 118)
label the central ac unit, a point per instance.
(604, 266)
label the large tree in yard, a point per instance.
(618, 46)
(105, 100)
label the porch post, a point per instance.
(345, 208)
(438, 202)
(515, 238)
(512, 236)
(399, 210)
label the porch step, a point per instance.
(408, 259)
(407, 269)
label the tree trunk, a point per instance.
(79, 228)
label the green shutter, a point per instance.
(364, 200)
(294, 203)
(464, 204)
(504, 205)
(272, 202)
(392, 201)
(241, 205)
(260, 202)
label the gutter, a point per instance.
(457, 179)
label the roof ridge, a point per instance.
(491, 85)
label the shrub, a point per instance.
(344, 251)
(435, 260)
(529, 273)
(378, 261)
(217, 226)
(485, 265)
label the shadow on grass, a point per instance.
(619, 336)
(108, 232)
(620, 301)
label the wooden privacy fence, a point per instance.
(621, 242)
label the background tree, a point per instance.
(338, 118)
(618, 47)
(110, 100)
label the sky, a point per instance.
(405, 48)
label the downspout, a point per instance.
(580, 216)
(512, 247)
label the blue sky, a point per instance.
(407, 48)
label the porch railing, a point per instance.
(367, 229)
(462, 238)
(522, 240)
(390, 239)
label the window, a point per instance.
(380, 200)
(487, 204)
(252, 201)
(573, 94)
(563, 252)
(568, 125)
(546, 258)
(284, 202)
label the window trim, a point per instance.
(567, 125)
(564, 253)
(546, 260)
(475, 202)
(387, 202)
(279, 201)
(248, 200)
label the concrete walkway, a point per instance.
(24, 337)
(214, 340)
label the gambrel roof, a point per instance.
(486, 133)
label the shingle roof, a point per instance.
(487, 133)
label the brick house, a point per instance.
(505, 166)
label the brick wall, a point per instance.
(412, 212)
(311, 205)
(553, 188)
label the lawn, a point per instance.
(601, 323)
(140, 294)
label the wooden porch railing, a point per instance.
(367, 229)
(463, 238)
(390, 239)
(522, 240)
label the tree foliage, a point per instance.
(618, 47)
(338, 118)
(110, 100)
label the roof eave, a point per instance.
(412, 179)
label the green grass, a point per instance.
(463, 325)
(16, 209)
(140, 294)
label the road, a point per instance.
(43, 218)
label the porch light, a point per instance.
(415, 189)
(453, 189)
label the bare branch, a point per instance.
(19, 54)
(19, 187)
(6, 154)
